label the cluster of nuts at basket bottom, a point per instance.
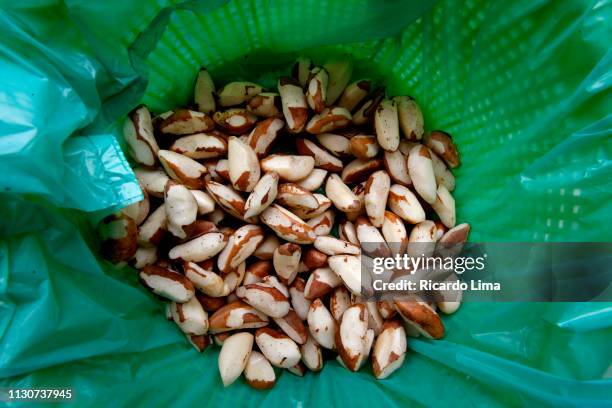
(238, 241)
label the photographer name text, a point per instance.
(428, 284)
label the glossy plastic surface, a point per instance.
(523, 87)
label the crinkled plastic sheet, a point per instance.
(523, 86)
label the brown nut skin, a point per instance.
(240, 246)
(364, 147)
(321, 282)
(299, 369)
(355, 93)
(397, 343)
(219, 338)
(295, 197)
(451, 243)
(250, 318)
(152, 180)
(292, 326)
(119, 237)
(442, 144)
(170, 275)
(227, 231)
(237, 93)
(288, 167)
(199, 228)
(343, 198)
(405, 204)
(139, 135)
(200, 146)
(258, 372)
(243, 165)
(422, 315)
(185, 122)
(350, 361)
(335, 143)
(299, 284)
(235, 121)
(347, 231)
(323, 205)
(227, 198)
(329, 120)
(209, 303)
(410, 117)
(371, 239)
(316, 89)
(397, 167)
(323, 159)
(278, 348)
(314, 259)
(359, 191)
(441, 229)
(264, 193)
(359, 170)
(207, 264)
(394, 232)
(456, 235)
(265, 250)
(264, 134)
(322, 224)
(375, 196)
(322, 325)
(286, 260)
(287, 225)
(386, 309)
(266, 104)
(200, 342)
(260, 269)
(166, 263)
(339, 301)
(365, 112)
(277, 304)
(295, 107)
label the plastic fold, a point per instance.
(523, 87)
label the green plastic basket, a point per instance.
(523, 87)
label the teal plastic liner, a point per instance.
(523, 86)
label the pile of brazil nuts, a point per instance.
(239, 241)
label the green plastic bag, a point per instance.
(523, 86)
